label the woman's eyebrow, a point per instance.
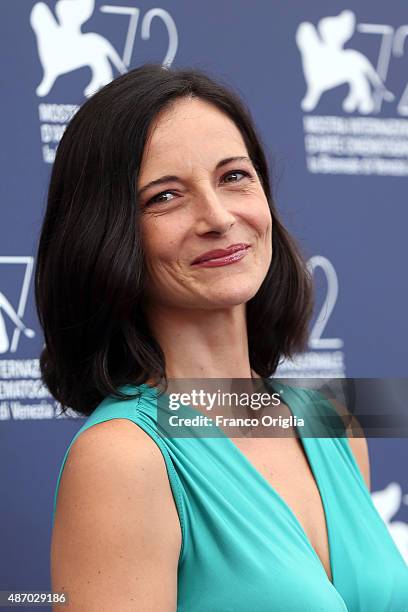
(172, 177)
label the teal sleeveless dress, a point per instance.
(242, 547)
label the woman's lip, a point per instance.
(217, 253)
(223, 261)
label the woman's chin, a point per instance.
(231, 296)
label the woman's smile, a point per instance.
(223, 260)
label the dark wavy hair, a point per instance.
(90, 267)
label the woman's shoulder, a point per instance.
(353, 440)
(114, 496)
(114, 438)
(333, 419)
(134, 402)
(113, 453)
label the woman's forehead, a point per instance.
(192, 129)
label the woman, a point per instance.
(154, 173)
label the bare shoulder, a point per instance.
(356, 438)
(116, 537)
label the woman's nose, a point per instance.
(211, 212)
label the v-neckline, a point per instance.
(269, 486)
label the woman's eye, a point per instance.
(158, 199)
(235, 173)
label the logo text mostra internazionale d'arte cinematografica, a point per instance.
(360, 139)
(64, 48)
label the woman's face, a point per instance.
(200, 202)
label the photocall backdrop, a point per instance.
(328, 89)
